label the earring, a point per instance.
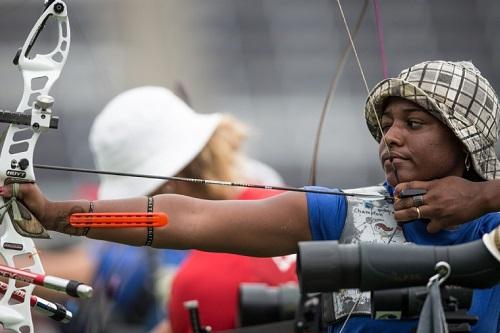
(467, 162)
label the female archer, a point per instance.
(436, 119)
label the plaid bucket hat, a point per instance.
(457, 94)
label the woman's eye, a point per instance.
(386, 127)
(414, 124)
(385, 124)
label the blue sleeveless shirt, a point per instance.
(327, 215)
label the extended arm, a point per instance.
(266, 227)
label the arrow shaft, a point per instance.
(211, 182)
(70, 287)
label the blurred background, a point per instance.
(269, 63)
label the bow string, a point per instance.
(330, 94)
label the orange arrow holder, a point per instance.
(118, 220)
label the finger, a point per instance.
(405, 215)
(6, 191)
(409, 186)
(434, 226)
(408, 202)
(413, 213)
(403, 203)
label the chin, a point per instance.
(391, 179)
(403, 178)
(390, 176)
(392, 182)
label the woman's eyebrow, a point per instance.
(387, 111)
(415, 109)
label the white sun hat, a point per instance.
(146, 130)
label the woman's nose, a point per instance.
(394, 134)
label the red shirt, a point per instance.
(214, 279)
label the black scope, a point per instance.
(261, 304)
(327, 266)
(406, 303)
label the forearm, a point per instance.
(58, 214)
(174, 235)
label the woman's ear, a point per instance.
(467, 162)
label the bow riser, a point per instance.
(16, 157)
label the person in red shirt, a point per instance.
(164, 136)
(213, 279)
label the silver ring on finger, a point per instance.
(418, 200)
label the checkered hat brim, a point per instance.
(457, 94)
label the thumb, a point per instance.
(434, 226)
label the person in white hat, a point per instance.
(435, 119)
(146, 130)
(150, 130)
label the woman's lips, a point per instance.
(393, 156)
(395, 161)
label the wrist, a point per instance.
(489, 198)
(60, 212)
(46, 217)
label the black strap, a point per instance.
(149, 236)
(91, 210)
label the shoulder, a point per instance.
(326, 213)
(319, 195)
(323, 202)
